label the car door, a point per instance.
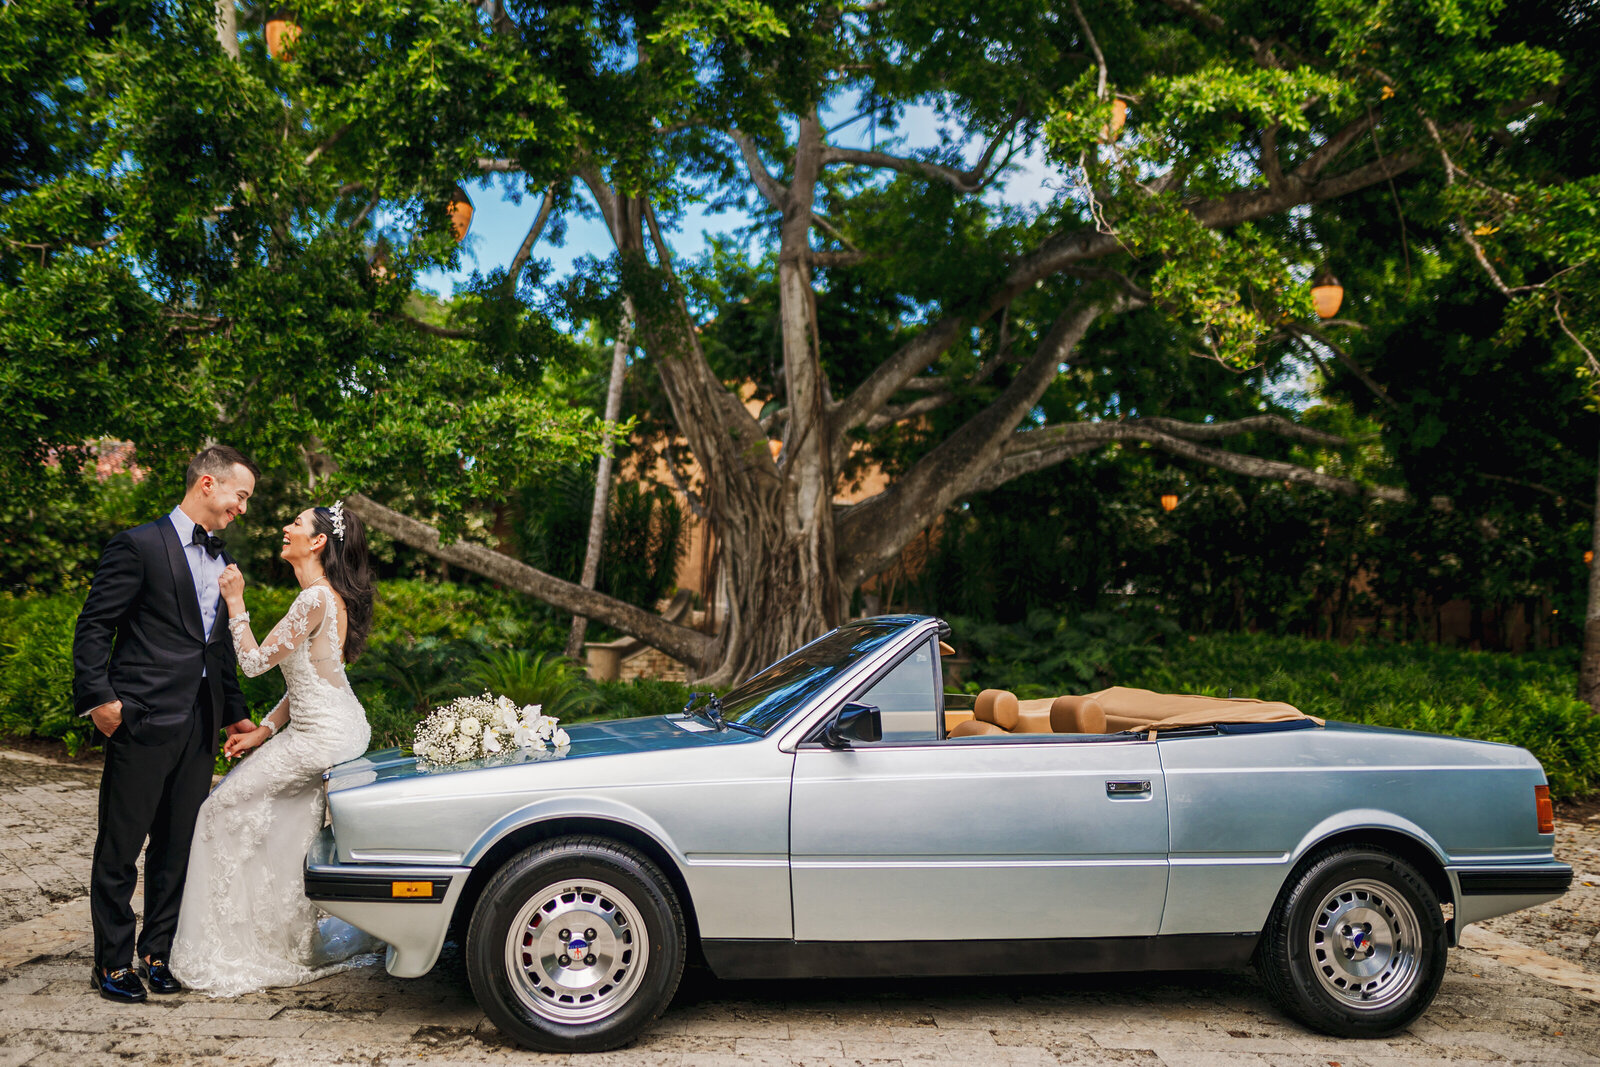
(920, 837)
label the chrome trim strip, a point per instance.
(979, 864)
(387, 855)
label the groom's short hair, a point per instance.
(217, 461)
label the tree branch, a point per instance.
(506, 165)
(429, 328)
(893, 414)
(332, 140)
(679, 642)
(837, 259)
(963, 181)
(771, 190)
(520, 260)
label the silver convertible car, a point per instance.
(840, 815)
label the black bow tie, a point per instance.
(210, 542)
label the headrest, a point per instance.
(1077, 715)
(997, 706)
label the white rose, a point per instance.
(469, 727)
(447, 725)
(465, 746)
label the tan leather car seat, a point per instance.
(1077, 715)
(994, 712)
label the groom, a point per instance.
(154, 668)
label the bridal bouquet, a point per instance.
(473, 727)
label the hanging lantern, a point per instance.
(1588, 557)
(460, 213)
(379, 261)
(774, 446)
(281, 35)
(1119, 119)
(1169, 501)
(1326, 295)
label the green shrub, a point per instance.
(1046, 655)
(645, 696)
(547, 679)
(36, 670)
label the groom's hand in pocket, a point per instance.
(107, 717)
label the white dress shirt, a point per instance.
(202, 568)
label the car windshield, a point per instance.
(767, 698)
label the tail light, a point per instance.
(1546, 812)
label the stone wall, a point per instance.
(655, 664)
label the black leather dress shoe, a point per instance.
(121, 985)
(159, 975)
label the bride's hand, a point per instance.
(231, 585)
(238, 744)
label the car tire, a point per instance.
(576, 945)
(1355, 946)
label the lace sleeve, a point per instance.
(303, 617)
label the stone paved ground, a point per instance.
(1523, 990)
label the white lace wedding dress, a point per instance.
(245, 923)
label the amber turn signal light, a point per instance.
(425, 889)
(1547, 812)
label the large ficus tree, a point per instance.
(1190, 228)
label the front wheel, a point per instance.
(1355, 946)
(576, 945)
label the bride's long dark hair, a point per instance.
(344, 561)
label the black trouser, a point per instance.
(152, 790)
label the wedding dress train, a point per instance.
(245, 923)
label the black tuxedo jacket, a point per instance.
(140, 640)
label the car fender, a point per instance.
(1357, 819)
(605, 809)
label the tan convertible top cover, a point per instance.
(1141, 709)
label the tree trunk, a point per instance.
(1589, 665)
(228, 27)
(602, 478)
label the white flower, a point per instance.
(560, 738)
(469, 727)
(490, 745)
(446, 724)
(465, 747)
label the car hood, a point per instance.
(609, 737)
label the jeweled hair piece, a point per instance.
(338, 519)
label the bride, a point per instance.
(245, 923)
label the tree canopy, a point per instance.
(202, 239)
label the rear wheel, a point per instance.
(1355, 945)
(575, 945)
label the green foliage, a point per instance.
(643, 696)
(534, 678)
(36, 670)
(1047, 655)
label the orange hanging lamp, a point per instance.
(1169, 501)
(1326, 295)
(460, 213)
(1119, 118)
(281, 34)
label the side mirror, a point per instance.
(854, 722)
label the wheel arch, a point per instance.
(529, 833)
(1413, 847)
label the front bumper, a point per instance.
(409, 907)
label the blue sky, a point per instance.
(498, 225)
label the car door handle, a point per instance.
(1128, 789)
